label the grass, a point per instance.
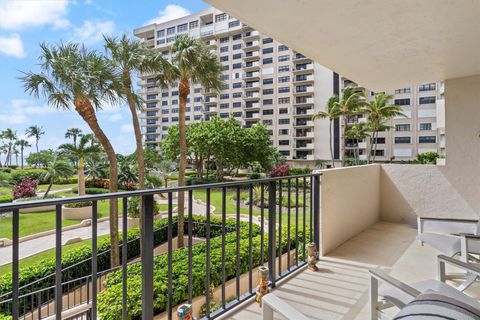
(44, 187)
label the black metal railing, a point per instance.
(274, 218)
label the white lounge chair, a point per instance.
(400, 294)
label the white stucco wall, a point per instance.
(349, 202)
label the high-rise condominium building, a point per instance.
(266, 81)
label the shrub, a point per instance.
(97, 183)
(26, 188)
(129, 186)
(195, 181)
(133, 208)
(79, 204)
(280, 171)
(91, 190)
(427, 157)
(254, 175)
(299, 171)
(18, 175)
(71, 180)
(5, 176)
(5, 169)
(6, 198)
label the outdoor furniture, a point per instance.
(271, 303)
(400, 294)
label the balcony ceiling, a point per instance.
(380, 44)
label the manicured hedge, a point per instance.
(110, 300)
(91, 190)
(297, 171)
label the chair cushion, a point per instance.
(434, 305)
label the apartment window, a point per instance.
(378, 153)
(197, 117)
(224, 58)
(224, 96)
(283, 89)
(151, 105)
(224, 77)
(164, 94)
(402, 127)
(236, 95)
(284, 79)
(237, 114)
(174, 93)
(226, 67)
(197, 90)
(161, 41)
(164, 120)
(174, 119)
(285, 153)
(284, 100)
(283, 58)
(197, 108)
(267, 60)
(224, 49)
(267, 112)
(236, 75)
(402, 102)
(224, 115)
(237, 104)
(151, 121)
(284, 121)
(236, 85)
(175, 101)
(267, 40)
(426, 100)
(165, 111)
(224, 105)
(164, 103)
(283, 110)
(237, 36)
(403, 90)
(379, 140)
(268, 122)
(233, 24)
(220, 17)
(187, 118)
(427, 87)
(161, 33)
(402, 140)
(268, 81)
(283, 68)
(282, 47)
(237, 65)
(425, 126)
(151, 97)
(170, 39)
(267, 91)
(171, 31)
(283, 132)
(427, 139)
(283, 142)
(267, 50)
(182, 27)
(237, 46)
(193, 24)
(224, 40)
(267, 102)
(197, 99)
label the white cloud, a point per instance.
(18, 110)
(12, 46)
(171, 11)
(17, 15)
(92, 31)
(115, 117)
(127, 128)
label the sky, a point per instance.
(26, 23)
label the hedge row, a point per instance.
(110, 300)
(76, 263)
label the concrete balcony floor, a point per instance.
(340, 289)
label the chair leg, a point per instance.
(469, 280)
(373, 298)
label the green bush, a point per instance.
(427, 157)
(91, 190)
(195, 181)
(254, 175)
(5, 169)
(17, 175)
(110, 300)
(6, 198)
(5, 176)
(133, 207)
(71, 180)
(299, 171)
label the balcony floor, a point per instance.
(340, 289)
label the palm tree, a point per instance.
(379, 110)
(332, 113)
(164, 169)
(192, 62)
(36, 132)
(73, 133)
(57, 169)
(95, 167)
(16, 153)
(11, 136)
(128, 174)
(23, 144)
(349, 104)
(72, 76)
(87, 146)
(357, 132)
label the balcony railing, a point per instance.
(286, 211)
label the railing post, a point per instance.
(147, 257)
(316, 211)
(272, 207)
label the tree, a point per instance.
(349, 104)
(128, 174)
(42, 158)
(332, 112)
(86, 147)
(379, 110)
(11, 137)
(72, 76)
(163, 170)
(73, 133)
(357, 132)
(36, 132)
(96, 167)
(57, 169)
(192, 61)
(22, 144)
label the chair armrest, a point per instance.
(447, 219)
(395, 283)
(469, 267)
(271, 302)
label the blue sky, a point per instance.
(24, 24)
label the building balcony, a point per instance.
(251, 45)
(303, 112)
(251, 35)
(303, 91)
(303, 123)
(303, 101)
(209, 92)
(251, 56)
(304, 146)
(300, 58)
(210, 100)
(251, 66)
(210, 109)
(303, 135)
(251, 86)
(303, 79)
(211, 43)
(299, 69)
(251, 96)
(252, 106)
(252, 116)
(248, 76)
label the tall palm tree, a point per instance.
(72, 76)
(36, 132)
(192, 62)
(56, 169)
(22, 143)
(357, 132)
(349, 104)
(73, 133)
(87, 146)
(379, 110)
(332, 113)
(11, 137)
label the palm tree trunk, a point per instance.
(81, 177)
(184, 90)
(21, 154)
(331, 144)
(375, 144)
(48, 189)
(344, 138)
(87, 112)
(36, 143)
